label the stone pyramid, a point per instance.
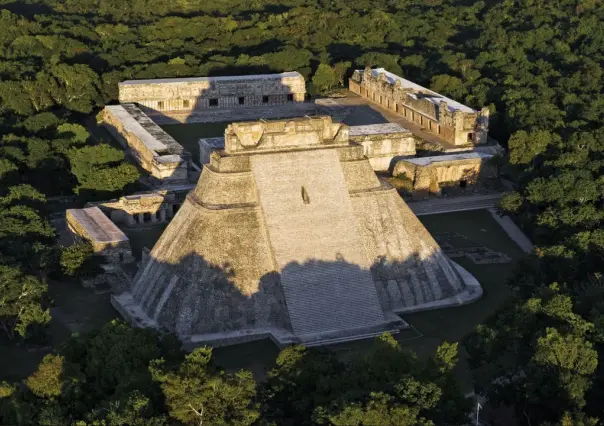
(290, 235)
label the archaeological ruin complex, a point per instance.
(280, 227)
(290, 235)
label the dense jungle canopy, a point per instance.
(538, 66)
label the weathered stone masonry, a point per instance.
(107, 240)
(199, 93)
(152, 148)
(290, 234)
(430, 174)
(449, 119)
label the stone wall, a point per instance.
(153, 149)
(284, 134)
(429, 174)
(145, 208)
(384, 144)
(107, 240)
(448, 119)
(191, 94)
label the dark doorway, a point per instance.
(241, 100)
(213, 102)
(265, 99)
(470, 137)
(147, 217)
(463, 183)
(290, 98)
(175, 208)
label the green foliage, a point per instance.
(197, 392)
(41, 121)
(380, 410)
(101, 168)
(79, 261)
(535, 356)
(20, 304)
(388, 384)
(525, 146)
(325, 78)
(46, 382)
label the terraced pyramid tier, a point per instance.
(290, 235)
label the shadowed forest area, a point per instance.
(537, 65)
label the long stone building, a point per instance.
(200, 93)
(290, 235)
(450, 120)
(152, 148)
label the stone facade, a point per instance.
(200, 93)
(384, 144)
(429, 174)
(147, 208)
(153, 150)
(448, 119)
(107, 240)
(289, 234)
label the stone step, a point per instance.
(316, 246)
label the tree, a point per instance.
(21, 302)
(79, 261)
(525, 146)
(535, 356)
(198, 393)
(101, 168)
(325, 78)
(47, 381)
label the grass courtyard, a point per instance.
(188, 135)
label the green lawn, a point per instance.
(188, 135)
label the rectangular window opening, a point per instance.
(213, 102)
(290, 98)
(241, 100)
(265, 99)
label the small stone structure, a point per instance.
(429, 174)
(290, 235)
(91, 224)
(209, 145)
(199, 93)
(152, 148)
(383, 144)
(146, 208)
(448, 119)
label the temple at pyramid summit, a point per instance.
(289, 234)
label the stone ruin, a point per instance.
(429, 174)
(448, 119)
(290, 235)
(107, 240)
